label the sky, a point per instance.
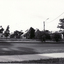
(23, 14)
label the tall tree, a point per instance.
(38, 34)
(1, 30)
(7, 32)
(32, 32)
(61, 24)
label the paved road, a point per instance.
(9, 58)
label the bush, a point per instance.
(45, 36)
(56, 37)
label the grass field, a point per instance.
(16, 48)
(10, 49)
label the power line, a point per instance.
(56, 17)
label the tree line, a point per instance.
(42, 35)
(35, 34)
(6, 33)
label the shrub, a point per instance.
(56, 37)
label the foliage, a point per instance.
(1, 30)
(61, 24)
(42, 35)
(16, 34)
(38, 34)
(56, 36)
(12, 36)
(31, 33)
(47, 34)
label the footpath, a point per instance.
(10, 58)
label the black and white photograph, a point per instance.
(32, 31)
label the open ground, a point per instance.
(19, 48)
(19, 51)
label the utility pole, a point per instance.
(44, 24)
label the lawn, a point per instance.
(10, 48)
(16, 48)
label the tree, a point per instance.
(56, 36)
(12, 36)
(43, 35)
(32, 33)
(47, 34)
(61, 24)
(17, 34)
(38, 34)
(7, 32)
(1, 30)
